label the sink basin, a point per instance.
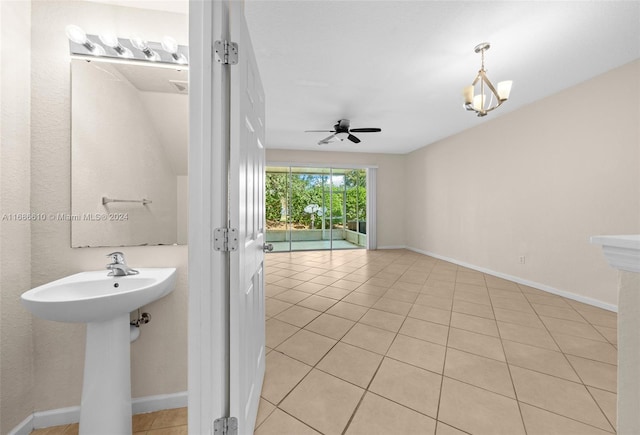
(94, 296)
(104, 303)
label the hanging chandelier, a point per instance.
(480, 102)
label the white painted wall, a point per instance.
(16, 354)
(117, 152)
(390, 185)
(537, 182)
(159, 356)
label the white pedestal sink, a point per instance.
(104, 303)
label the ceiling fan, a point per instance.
(341, 131)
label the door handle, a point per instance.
(267, 247)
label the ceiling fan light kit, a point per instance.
(480, 102)
(341, 131)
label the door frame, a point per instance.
(208, 342)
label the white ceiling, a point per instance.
(401, 65)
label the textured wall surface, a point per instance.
(537, 182)
(159, 357)
(16, 354)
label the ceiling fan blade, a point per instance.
(328, 139)
(366, 130)
(319, 131)
(353, 139)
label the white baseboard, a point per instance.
(536, 285)
(393, 247)
(61, 416)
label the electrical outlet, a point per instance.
(522, 259)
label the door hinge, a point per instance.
(226, 52)
(225, 426)
(225, 239)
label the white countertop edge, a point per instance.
(622, 252)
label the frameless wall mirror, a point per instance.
(129, 139)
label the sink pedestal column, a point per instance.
(623, 253)
(106, 390)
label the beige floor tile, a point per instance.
(356, 277)
(346, 285)
(557, 395)
(324, 280)
(430, 314)
(439, 292)
(392, 306)
(520, 305)
(142, 422)
(527, 335)
(596, 374)
(333, 292)
(429, 356)
(273, 307)
(500, 283)
(607, 402)
(330, 326)
(370, 338)
(611, 334)
(324, 402)
(277, 332)
(264, 410)
(173, 430)
(401, 295)
(473, 308)
(288, 282)
(518, 317)
(407, 385)
(298, 316)
(170, 418)
(351, 364)
(418, 278)
(478, 344)
(477, 370)
(472, 298)
(473, 278)
(372, 290)
(272, 290)
(544, 298)
(281, 423)
(478, 411)
(474, 324)
(304, 276)
(434, 301)
(348, 311)
(540, 422)
(363, 299)
(379, 416)
(590, 349)
(566, 313)
(408, 286)
(423, 330)
(383, 320)
(318, 303)
(569, 327)
(600, 317)
(445, 429)
(291, 296)
(281, 375)
(382, 282)
(309, 287)
(506, 294)
(306, 346)
(539, 359)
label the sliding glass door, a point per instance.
(315, 208)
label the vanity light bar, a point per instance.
(134, 49)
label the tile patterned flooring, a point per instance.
(394, 342)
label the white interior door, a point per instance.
(246, 212)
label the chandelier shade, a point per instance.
(482, 96)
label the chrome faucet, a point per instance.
(118, 265)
